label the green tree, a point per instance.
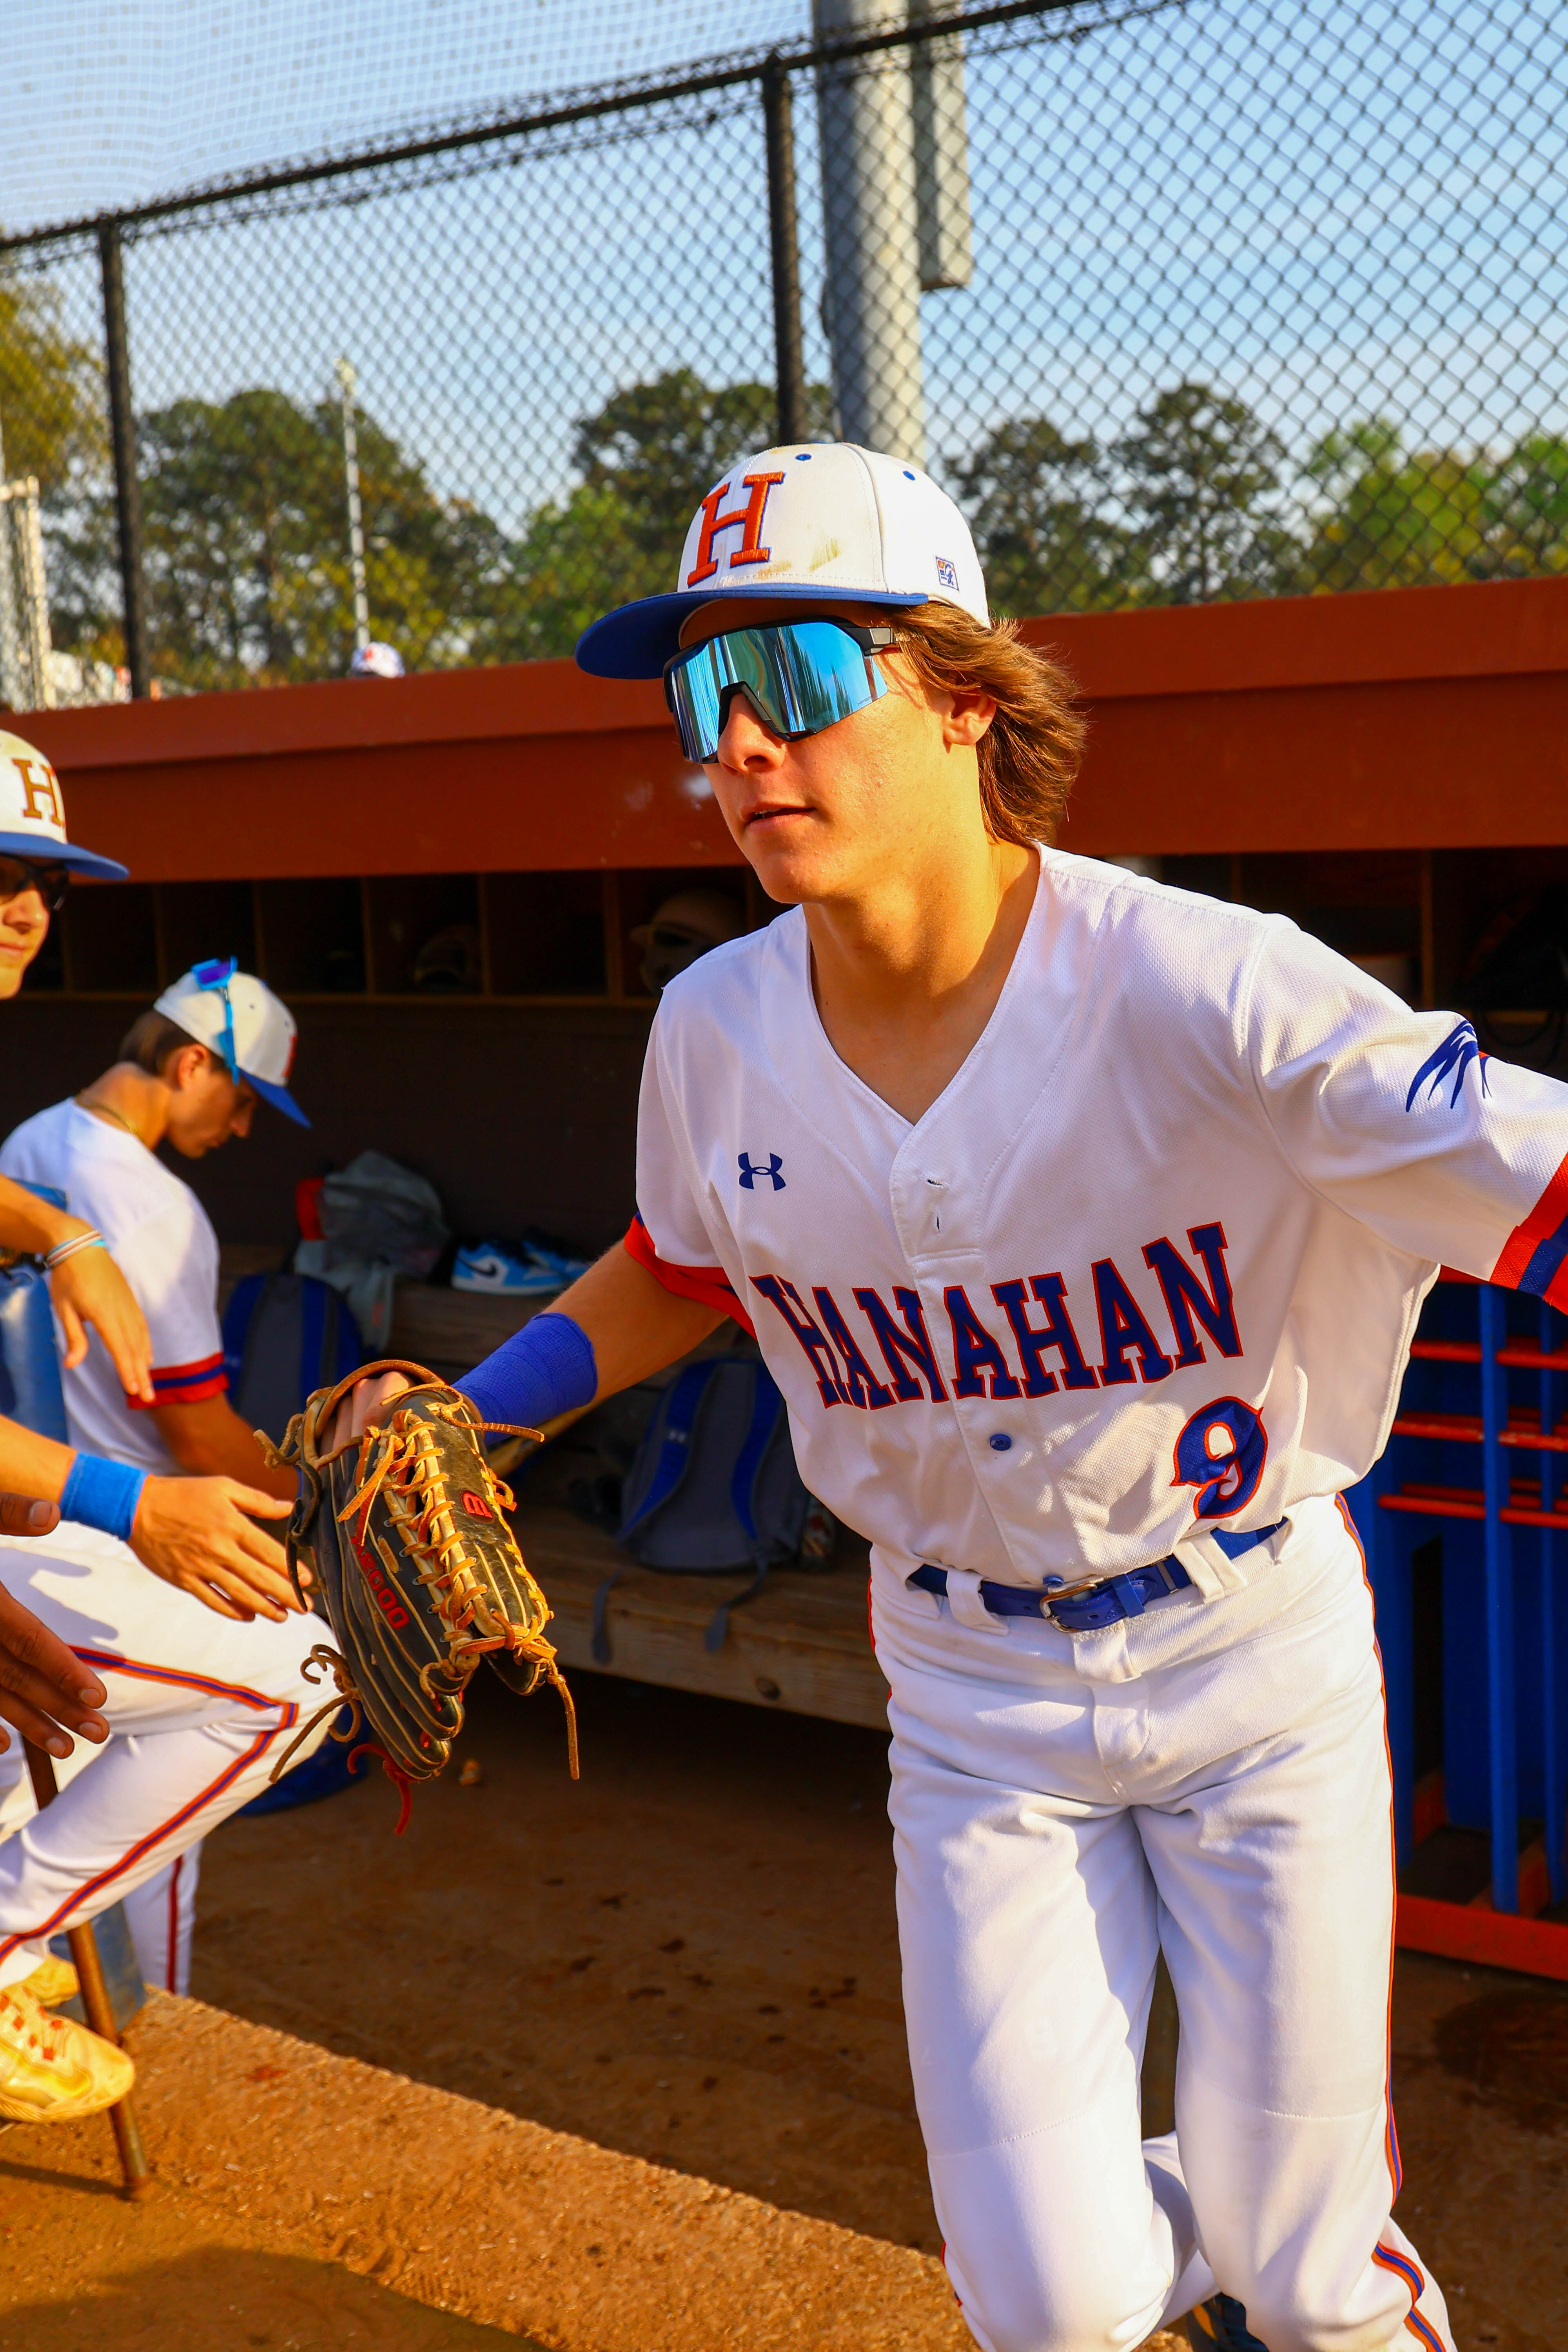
(646, 459)
(1034, 501)
(1391, 521)
(245, 533)
(1198, 465)
(51, 391)
(1388, 517)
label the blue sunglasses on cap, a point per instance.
(801, 677)
(216, 973)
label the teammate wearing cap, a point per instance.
(59, 1675)
(188, 1074)
(179, 1527)
(1085, 1224)
(377, 661)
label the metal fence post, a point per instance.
(123, 439)
(784, 238)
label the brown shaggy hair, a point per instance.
(1030, 754)
(154, 1039)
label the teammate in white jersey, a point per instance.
(1084, 1224)
(199, 1534)
(188, 1074)
(199, 1694)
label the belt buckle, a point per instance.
(1111, 1584)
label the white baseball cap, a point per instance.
(824, 523)
(33, 814)
(239, 1019)
(377, 661)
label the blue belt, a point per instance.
(1102, 1604)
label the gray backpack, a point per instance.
(712, 1487)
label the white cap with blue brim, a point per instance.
(33, 814)
(824, 523)
(237, 1017)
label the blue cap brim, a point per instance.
(279, 1096)
(636, 640)
(62, 853)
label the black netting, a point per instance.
(1182, 302)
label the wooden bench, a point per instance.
(803, 1644)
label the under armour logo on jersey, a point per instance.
(1458, 1049)
(749, 1174)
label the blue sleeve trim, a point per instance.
(545, 1370)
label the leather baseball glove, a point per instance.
(406, 1536)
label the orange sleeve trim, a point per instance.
(1535, 1255)
(709, 1285)
(184, 1383)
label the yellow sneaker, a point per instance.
(51, 2070)
(52, 1983)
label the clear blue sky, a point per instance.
(111, 99)
(1330, 208)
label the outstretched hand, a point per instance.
(89, 1287)
(197, 1533)
(45, 1690)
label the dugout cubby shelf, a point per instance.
(507, 938)
(567, 937)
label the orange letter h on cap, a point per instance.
(41, 794)
(750, 517)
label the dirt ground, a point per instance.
(690, 1956)
(82, 2270)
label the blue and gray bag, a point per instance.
(284, 1336)
(713, 1488)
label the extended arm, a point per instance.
(89, 1287)
(614, 1326)
(634, 1324)
(194, 1533)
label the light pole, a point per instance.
(346, 380)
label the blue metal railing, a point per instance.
(1497, 1395)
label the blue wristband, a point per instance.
(545, 1369)
(100, 1494)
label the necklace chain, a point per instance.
(107, 1111)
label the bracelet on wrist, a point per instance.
(99, 1494)
(92, 1239)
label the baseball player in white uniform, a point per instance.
(198, 1696)
(1084, 1224)
(199, 1534)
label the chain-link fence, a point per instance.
(1182, 302)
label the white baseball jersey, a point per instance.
(1148, 1268)
(164, 1243)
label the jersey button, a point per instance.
(1001, 1443)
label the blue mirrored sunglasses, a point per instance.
(801, 676)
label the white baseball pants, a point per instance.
(199, 1709)
(1212, 1778)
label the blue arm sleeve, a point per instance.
(545, 1369)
